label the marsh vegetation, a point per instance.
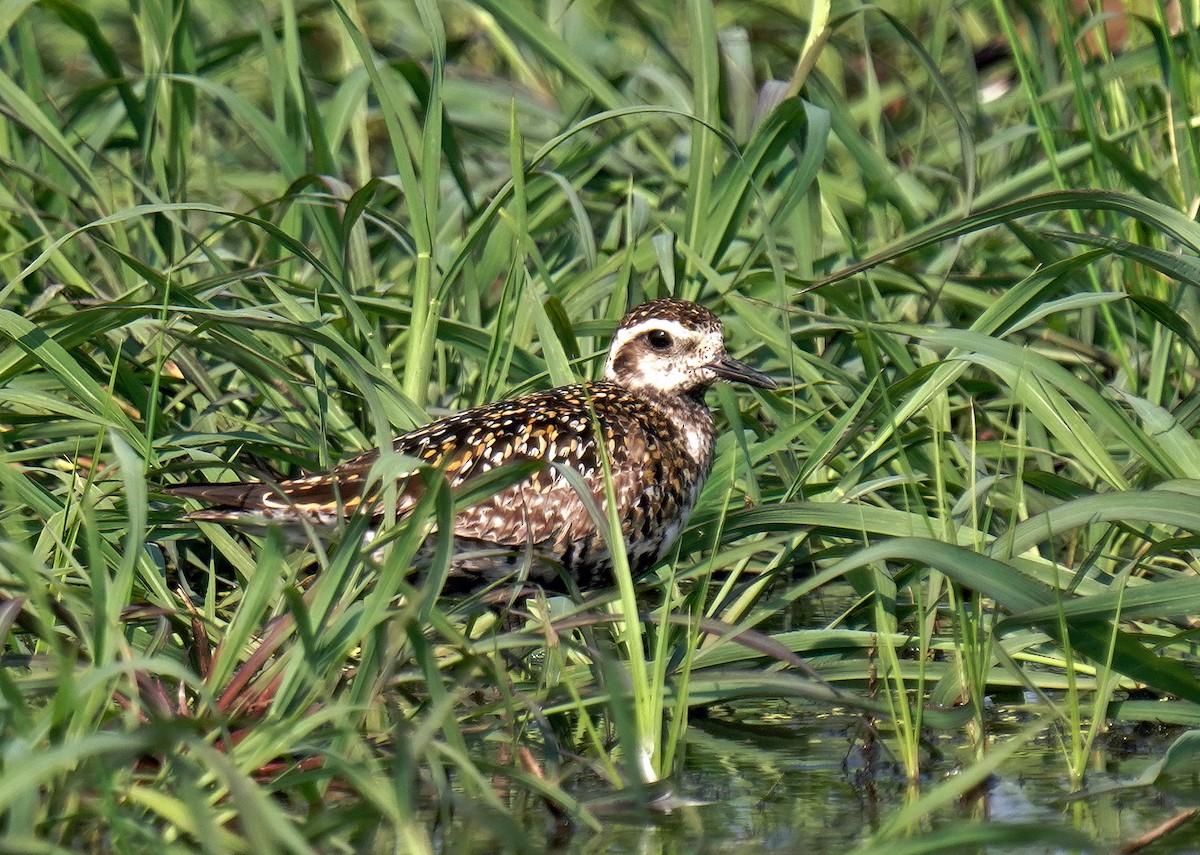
(243, 239)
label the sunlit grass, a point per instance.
(255, 241)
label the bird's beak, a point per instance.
(728, 368)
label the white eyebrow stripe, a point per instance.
(628, 334)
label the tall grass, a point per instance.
(254, 241)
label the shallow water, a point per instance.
(778, 778)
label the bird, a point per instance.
(649, 411)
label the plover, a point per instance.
(657, 434)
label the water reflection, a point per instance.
(782, 778)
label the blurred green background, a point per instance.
(249, 239)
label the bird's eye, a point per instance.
(659, 339)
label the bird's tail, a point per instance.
(229, 501)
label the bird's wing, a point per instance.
(555, 426)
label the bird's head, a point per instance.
(674, 348)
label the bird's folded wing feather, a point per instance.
(553, 426)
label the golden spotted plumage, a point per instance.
(656, 430)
